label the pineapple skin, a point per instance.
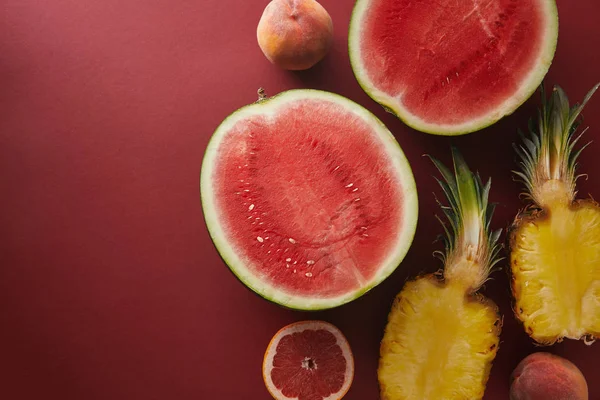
(439, 342)
(555, 271)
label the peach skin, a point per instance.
(295, 34)
(544, 376)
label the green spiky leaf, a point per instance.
(468, 214)
(549, 153)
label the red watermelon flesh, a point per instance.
(452, 66)
(306, 196)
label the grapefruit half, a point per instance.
(451, 67)
(308, 360)
(308, 198)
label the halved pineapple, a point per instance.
(442, 336)
(555, 241)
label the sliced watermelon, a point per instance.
(451, 67)
(308, 198)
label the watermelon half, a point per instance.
(451, 67)
(308, 198)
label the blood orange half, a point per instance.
(452, 67)
(308, 360)
(308, 198)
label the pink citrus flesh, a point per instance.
(308, 360)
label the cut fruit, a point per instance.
(442, 336)
(555, 242)
(309, 360)
(452, 67)
(308, 198)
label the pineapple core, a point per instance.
(556, 272)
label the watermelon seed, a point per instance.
(308, 274)
(448, 80)
(288, 259)
(295, 262)
(310, 262)
(260, 239)
(292, 241)
(251, 207)
(355, 189)
(357, 199)
(294, 271)
(349, 185)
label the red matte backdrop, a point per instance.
(110, 287)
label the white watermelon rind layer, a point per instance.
(238, 266)
(395, 106)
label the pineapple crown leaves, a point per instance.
(549, 153)
(469, 214)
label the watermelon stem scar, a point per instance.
(308, 198)
(262, 95)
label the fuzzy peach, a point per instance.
(295, 34)
(544, 376)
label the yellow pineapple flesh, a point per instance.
(439, 343)
(442, 336)
(555, 242)
(556, 270)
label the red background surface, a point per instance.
(110, 287)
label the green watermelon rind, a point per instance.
(528, 86)
(233, 260)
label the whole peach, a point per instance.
(295, 34)
(544, 376)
